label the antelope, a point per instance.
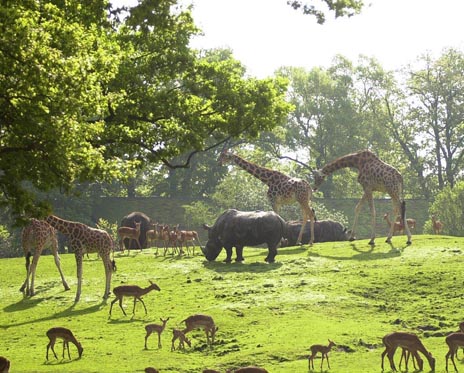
(151, 370)
(173, 239)
(437, 225)
(186, 237)
(153, 235)
(201, 322)
(324, 350)
(405, 354)
(131, 234)
(132, 291)
(409, 342)
(180, 335)
(454, 341)
(150, 328)
(165, 235)
(397, 226)
(67, 336)
(4, 365)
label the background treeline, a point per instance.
(97, 101)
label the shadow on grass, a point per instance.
(222, 267)
(368, 254)
(68, 312)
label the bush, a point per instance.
(449, 209)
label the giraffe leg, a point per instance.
(406, 226)
(28, 265)
(396, 211)
(357, 210)
(78, 255)
(58, 265)
(32, 269)
(108, 273)
(370, 201)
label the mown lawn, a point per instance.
(268, 314)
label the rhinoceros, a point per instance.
(244, 228)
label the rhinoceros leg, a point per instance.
(239, 251)
(228, 259)
(272, 254)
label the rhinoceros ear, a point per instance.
(206, 227)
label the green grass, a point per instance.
(268, 314)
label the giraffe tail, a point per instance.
(28, 259)
(403, 212)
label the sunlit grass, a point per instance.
(268, 314)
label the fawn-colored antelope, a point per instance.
(67, 336)
(437, 225)
(324, 350)
(150, 328)
(180, 335)
(4, 365)
(397, 226)
(409, 342)
(132, 291)
(204, 322)
(152, 235)
(173, 242)
(187, 237)
(131, 234)
(406, 354)
(454, 341)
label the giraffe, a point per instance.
(36, 236)
(282, 189)
(83, 238)
(373, 175)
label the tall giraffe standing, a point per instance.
(84, 238)
(35, 237)
(374, 175)
(282, 190)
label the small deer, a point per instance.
(151, 370)
(173, 242)
(4, 365)
(132, 291)
(437, 225)
(152, 235)
(454, 341)
(397, 226)
(150, 328)
(67, 336)
(324, 350)
(186, 237)
(131, 234)
(409, 342)
(204, 322)
(180, 335)
(406, 354)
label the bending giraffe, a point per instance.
(282, 190)
(374, 175)
(37, 236)
(84, 239)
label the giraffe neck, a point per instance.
(354, 160)
(64, 226)
(266, 175)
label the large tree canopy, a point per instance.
(89, 95)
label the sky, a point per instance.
(267, 34)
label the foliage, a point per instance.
(267, 315)
(87, 95)
(341, 8)
(6, 240)
(449, 209)
(111, 228)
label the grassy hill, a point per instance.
(268, 314)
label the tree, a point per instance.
(87, 96)
(341, 8)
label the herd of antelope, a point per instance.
(161, 235)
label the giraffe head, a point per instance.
(319, 178)
(225, 157)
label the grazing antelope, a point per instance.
(4, 365)
(180, 335)
(151, 370)
(67, 336)
(397, 226)
(408, 341)
(132, 291)
(204, 322)
(437, 225)
(150, 328)
(186, 237)
(324, 350)
(454, 341)
(406, 354)
(131, 234)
